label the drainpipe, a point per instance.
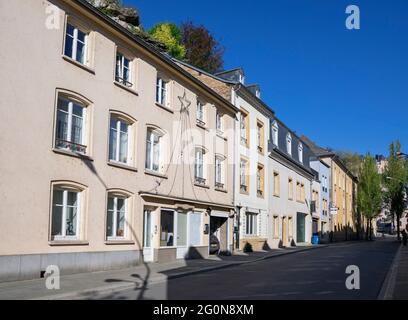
(235, 246)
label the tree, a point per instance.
(202, 49)
(351, 160)
(170, 35)
(395, 180)
(369, 192)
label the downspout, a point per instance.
(234, 166)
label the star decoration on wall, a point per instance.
(185, 103)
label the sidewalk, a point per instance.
(401, 280)
(79, 285)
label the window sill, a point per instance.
(202, 126)
(221, 190)
(204, 186)
(119, 242)
(72, 154)
(244, 193)
(59, 243)
(128, 89)
(155, 174)
(78, 64)
(164, 107)
(221, 136)
(276, 195)
(122, 166)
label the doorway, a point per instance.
(300, 227)
(148, 233)
(219, 229)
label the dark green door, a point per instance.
(300, 226)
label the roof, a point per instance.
(318, 151)
(237, 85)
(151, 49)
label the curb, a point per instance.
(388, 286)
(118, 288)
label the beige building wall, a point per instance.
(35, 72)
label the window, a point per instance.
(200, 113)
(244, 128)
(290, 189)
(276, 227)
(244, 188)
(116, 217)
(260, 181)
(219, 173)
(199, 166)
(167, 228)
(76, 44)
(153, 150)
(66, 211)
(119, 144)
(260, 136)
(70, 127)
(298, 191)
(300, 152)
(289, 144)
(181, 229)
(276, 184)
(123, 70)
(302, 193)
(218, 123)
(275, 130)
(162, 92)
(290, 232)
(251, 224)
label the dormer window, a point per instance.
(275, 130)
(289, 144)
(300, 152)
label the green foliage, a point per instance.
(395, 179)
(351, 160)
(369, 191)
(202, 49)
(169, 34)
(248, 248)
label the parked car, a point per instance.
(214, 244)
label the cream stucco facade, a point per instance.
(35, 170)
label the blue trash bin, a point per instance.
(315, 239)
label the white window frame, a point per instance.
(115, 217)
(120, 70)
(151, 133)
(69, 124)
(289, 144)
(300, 152)
(119, 121)
(162, 87)
(275, 133)
(243, 174)
(200, 162)
(219, 123)
(65, 191)
(251, 228)
(219, 176)
(243, 128)
(75, 41)
(200, 114)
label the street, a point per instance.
(313, 274)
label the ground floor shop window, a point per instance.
(167, 228)
(251, 224)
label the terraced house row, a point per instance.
(128, 155)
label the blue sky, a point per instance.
(344, 89)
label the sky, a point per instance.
(344, 89)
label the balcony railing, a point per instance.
(200, 181)
(200, 122)
(124, 82)
(219, 185)
(74, 147)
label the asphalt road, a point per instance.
(313, 274)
